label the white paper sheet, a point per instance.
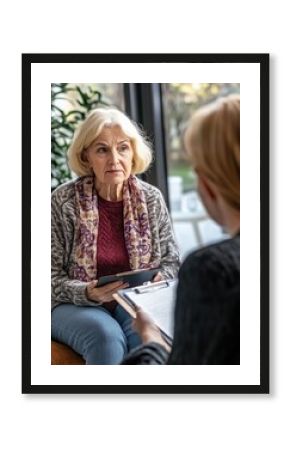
(159, 304)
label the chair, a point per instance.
(61, 354)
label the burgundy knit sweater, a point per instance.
(112, 256)
(112, 253)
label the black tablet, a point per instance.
(133, 278)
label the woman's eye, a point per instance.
(124, 147)
(101, 150)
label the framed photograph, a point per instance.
(158, 92)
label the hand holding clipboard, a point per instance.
(156, 299)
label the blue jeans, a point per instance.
(101, 337)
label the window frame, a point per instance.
(143, 103)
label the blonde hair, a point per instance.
(213, 141)
(91, 128)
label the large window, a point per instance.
(191, 223)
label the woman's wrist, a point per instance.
(156, 337)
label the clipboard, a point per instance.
(157, 299)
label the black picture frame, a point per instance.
(260, 59)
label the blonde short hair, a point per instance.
(91, 128)
(212, 140)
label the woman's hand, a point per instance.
(104, 294)
(148, 331)
(158, 277)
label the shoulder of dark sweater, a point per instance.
(220, 261)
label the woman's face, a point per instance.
(110, 156)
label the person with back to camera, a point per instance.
(207, 311)
(106, 221)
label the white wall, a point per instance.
(179, 422)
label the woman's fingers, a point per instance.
(147, 329)
(104, 293)
(158, 277)
(110, 287)
(143, 321)
(113, 287)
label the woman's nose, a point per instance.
(114, 156)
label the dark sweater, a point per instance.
(207, 313)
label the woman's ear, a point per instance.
(210, 197)
(84, 156)
(207, 187)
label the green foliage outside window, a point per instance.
(69, 107)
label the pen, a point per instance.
(143, 290)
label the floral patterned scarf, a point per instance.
(136, 228)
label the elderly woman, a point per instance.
(207, 313)
(105, 222)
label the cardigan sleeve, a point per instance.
(63, 289)
(170, 260)
(149, 354)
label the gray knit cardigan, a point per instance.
(64, 289)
